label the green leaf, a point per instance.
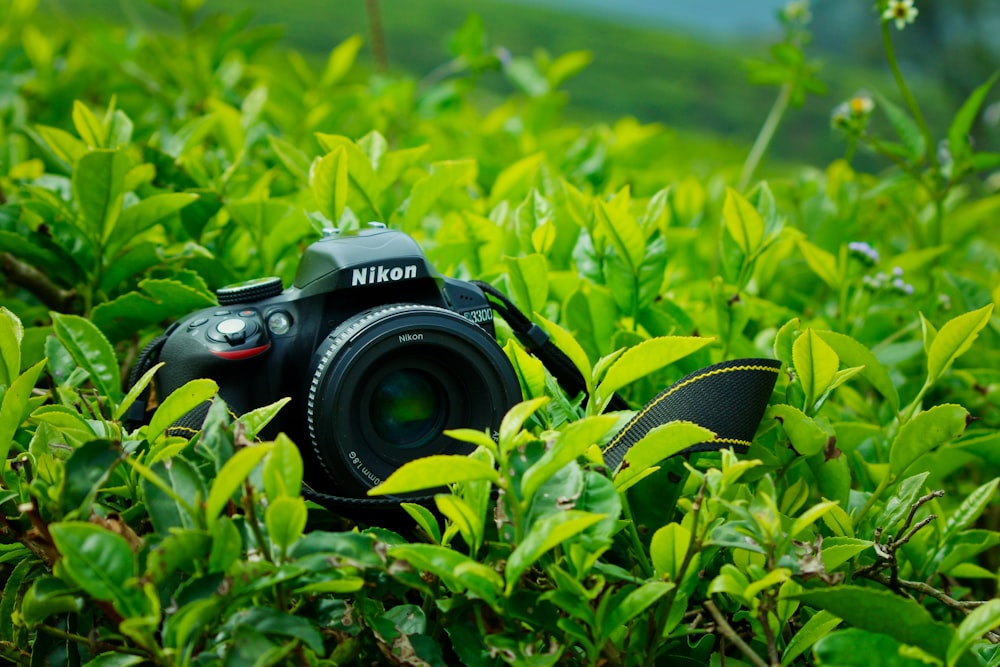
(149, 212)
(839, 550)
(362, 181)
(270, 621)
(546, 533)
(11, 334)
(258, 418)
(285, 519)
(573, 440)
(853, 353)
(810, 516)
(91, 351)
(971, 508)
(925, 432)
(12, 598)
(667, 549)
(822, 263)
(954, 339)
(227, 545)
(901, 501)
(232, 476)
(135, 391)
(569, 346)
(87, 126)
(529, 281)
(816, 365)
(160, 299)
(425, 519)
(880, 611)
(86, 470)
(431, 472)
(98, 189)
(530, 371)
(856, 647)
(660, 443)
(99, 562)
(647, 357)
(840, 523)
(283, 469)
(63, 145)
(516, 181)
(180, 401)
(513, 421)
(457, 571)
(118, 127)
(904, 125)
(113, 659)
(172, 489)
(328, 178)
(817, 627)
(14, 406)
(341, 60)
(470, 525)
(633, 604)
(625, 233)
(961, 124)
(743, 222)
(294, 159)
(804, 433)
(980, 620)
(444, 176)
(48, 596)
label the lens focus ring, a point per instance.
(385, 385)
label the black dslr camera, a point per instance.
(378, 352)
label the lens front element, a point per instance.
(407, 408)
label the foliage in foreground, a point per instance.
(860, 524)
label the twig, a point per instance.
(964, 606)
(378, 35)
(36, 282)
(727, 631)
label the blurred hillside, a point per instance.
(680, 64)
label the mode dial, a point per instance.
(249, 291)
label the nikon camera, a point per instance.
(379, 354)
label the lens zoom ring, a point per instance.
(332, 351)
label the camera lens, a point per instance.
(386, 384)
(407, 408)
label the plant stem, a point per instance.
(377, 34)
(765, 135)
(633, 534)
(727, 631)
(904, 90)
(883, 485)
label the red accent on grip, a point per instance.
(235, 355)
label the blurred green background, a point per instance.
(681, 63)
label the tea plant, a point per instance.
(138, 176)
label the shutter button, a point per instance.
(232, 331)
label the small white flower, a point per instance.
(900, 11)
(797, 11)
(861, 104)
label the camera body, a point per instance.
(378, 353)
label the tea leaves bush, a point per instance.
(141, 171)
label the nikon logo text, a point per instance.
(409, 338)
(382, 274)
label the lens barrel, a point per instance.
(387, 383)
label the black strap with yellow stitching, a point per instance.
(728, 398)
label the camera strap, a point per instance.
(728, 398)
